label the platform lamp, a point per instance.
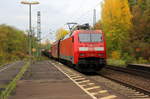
(30, 24)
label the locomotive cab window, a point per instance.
(90, 37)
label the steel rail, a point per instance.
(136, 72)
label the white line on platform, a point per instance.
(93, 97)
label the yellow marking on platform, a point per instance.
(87, 84)
(109, 97)
(103, 91)
(100, 92)
(95, 87)
(79, 79)
(83, 81)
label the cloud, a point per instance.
(54, 13)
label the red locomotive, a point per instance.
(84, 48)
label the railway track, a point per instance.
(141, 67)
(137, 72)
(127, 78)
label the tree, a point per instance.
(116, 22)
(140, 32)
(61, 33)
(13, 43)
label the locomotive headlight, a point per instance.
(83, 48)
(99, 48)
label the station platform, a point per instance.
(43, 81)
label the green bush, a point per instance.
(13, 44)
(128, 58)
(141, 60)
(115, 62)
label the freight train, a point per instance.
(84, 48)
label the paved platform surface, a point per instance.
(44, 81)
(8, 72)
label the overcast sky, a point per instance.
(54, 14)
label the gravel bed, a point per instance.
(134, 80)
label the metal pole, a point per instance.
(30, 30)
(30, 25)
(94, 17)
(39, 32)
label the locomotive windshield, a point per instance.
(90, 37)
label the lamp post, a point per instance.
(30, 24)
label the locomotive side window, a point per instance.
(90, 37)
